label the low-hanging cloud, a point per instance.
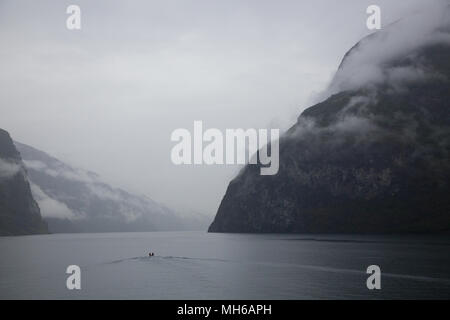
(368, 63)
(61, 172)
(52, 208)
(8, 169)
(371, 65)
(129, 207)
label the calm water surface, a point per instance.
(198, 265)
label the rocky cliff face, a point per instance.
(19, 213)
(372, 158)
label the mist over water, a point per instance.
(197, 265)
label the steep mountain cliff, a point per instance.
(75, 200)
(19, 213)
(374, 157)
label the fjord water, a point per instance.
(198, 265)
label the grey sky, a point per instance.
(106, 98)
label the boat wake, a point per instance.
(159, 258)
(313, 268)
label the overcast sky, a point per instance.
(106, 98)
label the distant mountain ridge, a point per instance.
(19, 212)
(75, 200)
